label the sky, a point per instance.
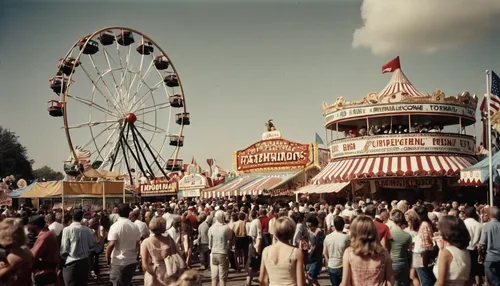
(244, 62)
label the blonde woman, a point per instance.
(366, 262)
(16, 270)
(282, 264)
(154, 250)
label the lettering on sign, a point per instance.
(159, 188)
(407, 183)
(273, 153)
(399, 143)
(275, 134)
(453, 110)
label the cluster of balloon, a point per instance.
(6, 184)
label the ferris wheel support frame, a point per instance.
(134, 129)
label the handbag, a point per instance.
(174, 265)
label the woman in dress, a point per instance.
(366, 262)
(282, 264)
(453, 266)
(154, 250)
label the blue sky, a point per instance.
(241, 63)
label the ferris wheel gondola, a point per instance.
(122, 101)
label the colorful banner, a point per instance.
(400, 108)
(158, 188)
(399, 143)
(273, 153)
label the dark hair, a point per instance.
(371, 211)
(50, 217)
(313, 220)
(470, 212)
(423, 214)
(124, 210)
(339, 223)
(38, 220)
(78, 215)
(454, 231)
(295, 217)
(242, 216)
(398, 217)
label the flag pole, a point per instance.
(490, 161)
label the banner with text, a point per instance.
(400, 108)
(273, 153)
(398, 143)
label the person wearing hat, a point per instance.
(45, 252)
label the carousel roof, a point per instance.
(400, 83)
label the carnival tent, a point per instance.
(478, 174)
(19, 192)
(79, 189)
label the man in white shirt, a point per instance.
(124, 238)
(474, 228)
(329, 219)
(135, 217)
(334, 247)
(55, 227)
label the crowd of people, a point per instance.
(289, 243)
(394, 129)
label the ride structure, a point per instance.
(120, 94)
(397, 139)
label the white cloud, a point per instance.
(425, 26)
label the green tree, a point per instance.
(46, 173)
(13, 157)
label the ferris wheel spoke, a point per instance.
(152, 108)
(95, 87)
(92, 104)
(150, 91)
(97, 136)
(154, 129)
(108, 56)
(101, 79)
(141, 84)
(93, 123)
(108, 140)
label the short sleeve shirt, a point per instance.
(126, 234)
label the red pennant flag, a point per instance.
(210, 162)
(391, 66)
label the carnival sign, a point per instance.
(400, 108)
(399, 143)
(273, 154)
(158, 188)
(192, 181)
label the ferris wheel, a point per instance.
(122, 104)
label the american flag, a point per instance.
(494, 96)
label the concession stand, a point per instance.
(270, 167)
(398, 143)
(193, 182)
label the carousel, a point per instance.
(271, 167)
(399, 143)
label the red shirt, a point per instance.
(193, 221)
(264, 222)
(45, 253)
(383, 232)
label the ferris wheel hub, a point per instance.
(131, 118)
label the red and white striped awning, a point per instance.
(400, 83)
(228, 188)
(321, 189)
(262, 183)
(344, 170)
